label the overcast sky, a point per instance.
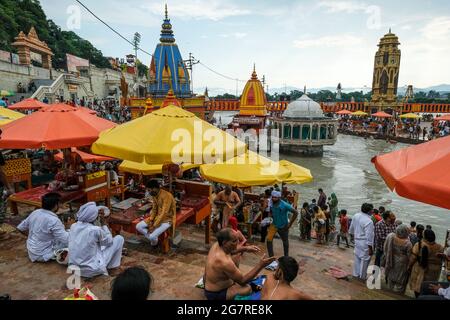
(293, 43)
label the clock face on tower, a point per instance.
(386, 58)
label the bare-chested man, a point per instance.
(223, 279)
(278, 284)
(227, 201)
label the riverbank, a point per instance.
(176, 273)
(375, 135)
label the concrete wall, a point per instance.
(100, 83)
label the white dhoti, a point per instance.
(112, 255)
(362, 259)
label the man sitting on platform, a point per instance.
(161, 216)
(93, 249)
(46, 232)
(223, 280)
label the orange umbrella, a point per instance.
(382, 114)
(90, 111)
(420, 173)
(344, 112)
(28, 104)
(56, 126)
(444, 118)
(86, 157)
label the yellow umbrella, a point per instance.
(410, 116)
(7, 116)
(148, 169)
(359, 113)
(6, 93)
(170, 134)
(298, 175)
(247, 170)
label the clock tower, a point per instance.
(386, 74)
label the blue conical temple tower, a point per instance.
(167, 69)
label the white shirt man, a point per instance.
(93, 249)
(363, 230)
(46, 232)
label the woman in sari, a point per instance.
(397, 252)
(424, 261)
(333, 208)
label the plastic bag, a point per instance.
(82, 294)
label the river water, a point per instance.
(346, 169)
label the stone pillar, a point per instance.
(24, 55)
(292, 130)
(46, 61)
(310, 132)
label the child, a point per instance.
(343, 221)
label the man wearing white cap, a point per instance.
(93, 249)
(281, 224)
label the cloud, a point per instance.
(328, 41)
(406, 27)
(198, 9)
(437, 29)
(237, 35)
(343, 6)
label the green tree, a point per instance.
(21, 15)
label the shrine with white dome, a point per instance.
(304, 129)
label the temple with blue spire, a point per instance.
(167, 69)
(169, 81)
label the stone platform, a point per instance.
(176, 273)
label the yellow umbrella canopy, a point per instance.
(246, 170)
(170, 134)
(410, 116)
(148, 169)
(298, 175)
(7, 116)
(359, 113)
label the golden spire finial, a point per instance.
(254, 75)
(167, 15)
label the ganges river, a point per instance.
(346, 170)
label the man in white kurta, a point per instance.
(363, 230)
(46, 232)
(91, 248)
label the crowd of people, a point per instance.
(411, 129)
(408, 254)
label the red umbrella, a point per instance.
(420, 173)
(344, 112)
(444, 118)
(382, 114)
(28, 104)
(56, 126)
(86, 157)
